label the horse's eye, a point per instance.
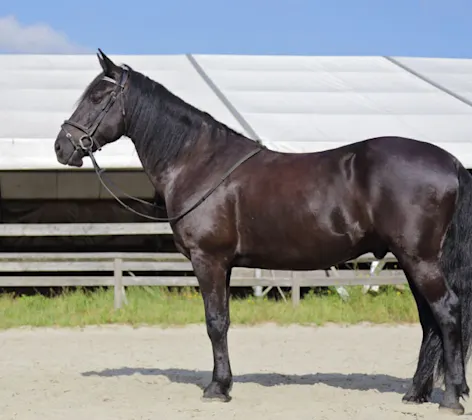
(96, 98)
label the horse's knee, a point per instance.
(217, 326)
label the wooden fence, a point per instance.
(125, 269)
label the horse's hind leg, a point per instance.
(445, 306)
(213, 278)
(430, 351)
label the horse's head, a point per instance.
(99, 117)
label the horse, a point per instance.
(233, 202)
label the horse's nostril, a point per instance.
(57, 147)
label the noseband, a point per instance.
(88, 132)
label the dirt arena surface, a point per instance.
(118, 373)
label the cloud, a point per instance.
(34, 39)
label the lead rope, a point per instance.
(100, 171)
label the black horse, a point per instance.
(232, 202)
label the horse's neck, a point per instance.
(207, 154)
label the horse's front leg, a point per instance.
(213, 278)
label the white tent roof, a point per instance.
(292, 103)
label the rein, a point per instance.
(87, 149)
(99, 172)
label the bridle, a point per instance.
(88, 133)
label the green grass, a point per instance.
(155, 306)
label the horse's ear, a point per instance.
(109, 67)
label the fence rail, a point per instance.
(84, 229)
(119, 270)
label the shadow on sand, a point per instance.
(353, 381)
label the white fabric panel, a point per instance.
(301, 104)
(37, 92)
(294, 103)
(451, 73)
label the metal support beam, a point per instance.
(221, 96)
(429, 81)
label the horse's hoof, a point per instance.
(214, 393)
(411, 399)
(216, 398)
(456, 409)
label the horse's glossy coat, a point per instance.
(297, 212)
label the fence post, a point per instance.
(118, 277)
(295, 291)
(258, 289)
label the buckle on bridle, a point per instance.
(86, 149)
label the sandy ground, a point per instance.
(122, 373)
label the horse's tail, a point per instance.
(456, 264)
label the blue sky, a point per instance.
(435, 28)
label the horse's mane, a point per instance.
(155, 112)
